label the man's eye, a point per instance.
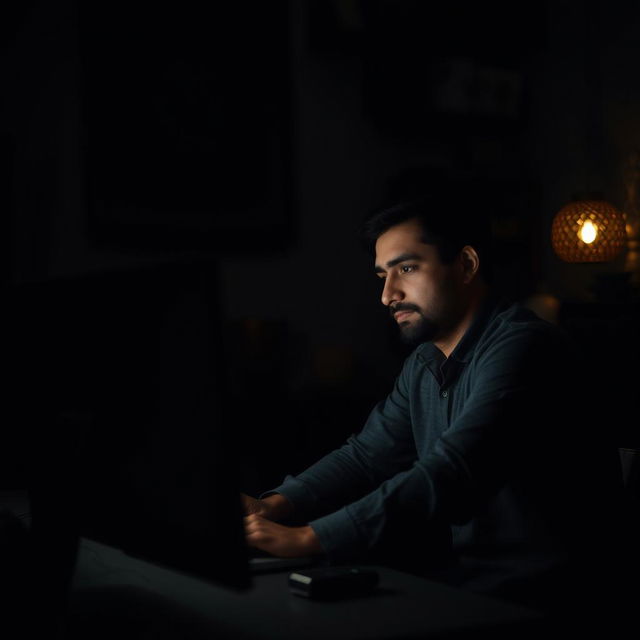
(407, 268)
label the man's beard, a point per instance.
(415, 333)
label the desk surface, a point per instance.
(109, 586)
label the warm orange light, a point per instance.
(588, 232)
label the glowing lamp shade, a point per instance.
(588, 231)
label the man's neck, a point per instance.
(449, 342)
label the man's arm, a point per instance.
(500, 434)
(450, 481)
(384, 447)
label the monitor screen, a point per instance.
(129, 439)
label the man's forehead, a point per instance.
(405, 238)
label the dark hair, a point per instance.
(448, 223)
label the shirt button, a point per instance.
(444, 393)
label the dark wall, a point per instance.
(257, 139)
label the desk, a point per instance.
(117, 596)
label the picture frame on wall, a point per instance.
(186, 125)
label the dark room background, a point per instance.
(247, 140)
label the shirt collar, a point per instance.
(463, 351)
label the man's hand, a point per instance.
(274, 507)
(252, 505)
(278, 540)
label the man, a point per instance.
(482, 467)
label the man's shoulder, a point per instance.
(517, 318)
(516, 324)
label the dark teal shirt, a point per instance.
(482, 462)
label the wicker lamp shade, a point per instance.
(588, 231)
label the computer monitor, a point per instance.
(129, 439)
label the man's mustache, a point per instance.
(403, 306)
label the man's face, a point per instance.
(424, 296)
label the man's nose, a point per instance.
(390, 292)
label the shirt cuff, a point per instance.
(338, 535)
(301, 499)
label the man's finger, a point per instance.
(253, 519)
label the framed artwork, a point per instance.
(186, 124)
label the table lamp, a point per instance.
(588, 231)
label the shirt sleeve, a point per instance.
(468, 464)
(381, 449)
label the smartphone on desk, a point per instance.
(332, 583)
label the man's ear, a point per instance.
(470, 263)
